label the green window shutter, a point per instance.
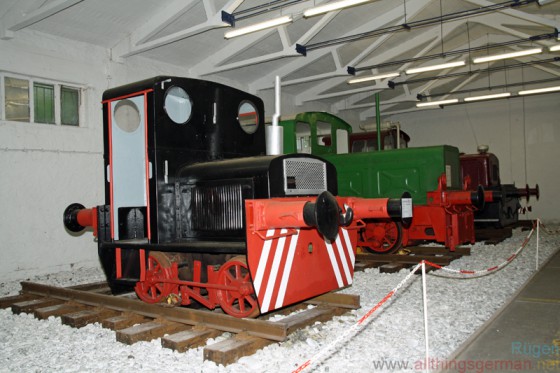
(44, 103)
(16, 93)
(69, 106)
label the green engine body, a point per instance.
(378, 174)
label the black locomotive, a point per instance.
(196, 211)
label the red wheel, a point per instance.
(155, 288)
(382, 237)
(240, 302)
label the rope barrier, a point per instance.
(491, 269)
(548, 231)
(318, 357)
(357, 326)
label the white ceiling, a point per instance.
(190, 34)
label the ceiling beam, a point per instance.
(15, 19)
(215, 63)
(495, 21)
(421, 38)
(139, 41)
(516, 13)
(314, 93)
(395, 15)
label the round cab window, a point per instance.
(127, 115)
(248, 117)
(178, 105)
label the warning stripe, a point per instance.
(349, 247)
(287, 270)
(262, 262)
(276, 261)
(344, 260)
(273, 273)
(334, 263)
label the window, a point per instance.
(248, 117)
(39, 101)
(389, 141)
(358, 146)
(323, 129)
(44, 103)
(127, 115)
(69, 106)
(16, 99)
(303, 137)
(178, 105)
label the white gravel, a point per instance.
(394, 334)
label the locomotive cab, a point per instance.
(152, 128)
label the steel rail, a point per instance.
(258, 328)
(275, 331)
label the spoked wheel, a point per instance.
(155, 289)
(382, 237)
(242, 301)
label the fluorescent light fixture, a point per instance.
(495, 57)
(332, 7)
(539, 90)
(435, 67)
(258, 27)
(554, 48)
(437, 103)
(374, 77)
(487, 97)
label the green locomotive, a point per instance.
(443, 210)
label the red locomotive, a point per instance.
(503, 200)
(195, 212)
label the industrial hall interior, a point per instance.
(280, 185)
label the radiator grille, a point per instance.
(304, 176)
(217, 208)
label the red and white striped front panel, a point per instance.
(292, 265)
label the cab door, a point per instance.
(129, 168)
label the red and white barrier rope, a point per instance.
(317, 358)
(491, 269)
(547, 230)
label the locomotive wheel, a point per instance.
(242, 301)
(154, 289)
(382, 237)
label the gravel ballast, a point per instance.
(394, 335)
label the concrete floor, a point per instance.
(523, 336)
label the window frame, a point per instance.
(57, 99)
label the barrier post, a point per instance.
(538, 236)
(425, 299)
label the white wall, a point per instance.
(47, 167)
(523, 133)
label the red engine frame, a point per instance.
(448, 218)
(282, 249)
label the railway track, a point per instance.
(408, 257)
(179, 328)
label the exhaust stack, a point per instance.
(275, 133)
